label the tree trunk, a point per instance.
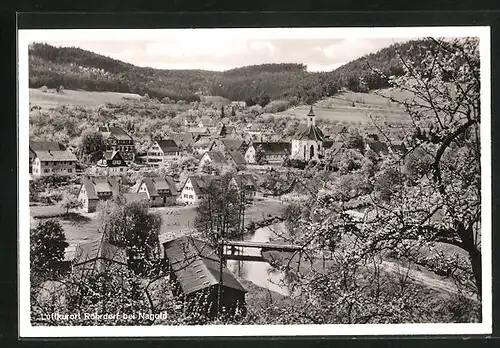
(475, 260)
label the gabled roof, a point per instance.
(100, 185)
(216, 157)
(135, 197)
(46, 146)
(52, 156)
(333, 146)
(168, 145)
(207, 121)
(204, 141)
(197, 266)
(182, 139)
(200, 182)
(237, 157)
(117, 132)
(274, 148)
(111, 155)
(98, 250)
(233, 144)
(155, 183)
(246, 180)
(198, 130)
(311, 133)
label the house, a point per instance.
(227, 131)
(195, 270)
(269, 152)
(248, 183)
(48, 162)
(225, 145)
(119, 140)
(236, 159)
(195, 188)
(237, 105)
(216, 158)
(308, 144)
(113, 163)
(42, 146)
(202, 145)
(161, 151)
(199, 130)
(159, 190)
(190, 121)
(95, 189)
(95, 257)
(206, 122)
(183, 140)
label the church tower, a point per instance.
(308, 145)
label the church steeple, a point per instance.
(311, 118)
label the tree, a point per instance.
(92, 145)
(70, 202)
(134, 228)
(47, 246)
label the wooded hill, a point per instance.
(74, 68)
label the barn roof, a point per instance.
(246, 180)
(237, 157)
(197, 266)
(117, 132)
(201, 182)
(135, 197)
(46, 146)
(98, 249)
(216, 157)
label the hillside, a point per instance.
(78, 69)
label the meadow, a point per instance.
(52, 99)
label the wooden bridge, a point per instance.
(234, 250)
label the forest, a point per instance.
(75, 68)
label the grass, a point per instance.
(52, 99)
(340, 109)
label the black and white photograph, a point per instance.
(254, 182)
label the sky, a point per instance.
(220, 54)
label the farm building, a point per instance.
(162, 151)
(117, 139)
(194, 268)
(202, 144)
(50, 159)
(225, 145)
(236, 159)
(95, 189)
(216, 158)
(113, 163)
(270, 152)
(159, 190)
(246, 182)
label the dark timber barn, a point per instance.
(194, 268)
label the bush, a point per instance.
(277, 106)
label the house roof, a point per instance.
(182, 139)
(135, 197)
(98, 185)
(49, 156)
(46, 146)
(98, 250)
(204, 141)
(274, 148)
(155, 183)
(333, 146)
(117, 132)
(200, 182)
(207, 121)
(216, 157)
(197, 266)
(246, 180)
(378, 146)
(198, 130)
(237, 157)
(233, 144)
(168, 145)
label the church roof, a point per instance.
(312, 132)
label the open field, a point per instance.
(351, 107)
(52, 99)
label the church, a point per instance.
(308, 145)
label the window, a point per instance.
(190, 196)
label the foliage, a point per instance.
(70, 201)
(47, 245)
(133, 227)
(92, 145)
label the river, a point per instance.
(260, 273)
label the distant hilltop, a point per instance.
(75, 68)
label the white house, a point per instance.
(158, 189)
(270, 152)
(113, 163)
(194, 188)
(162, 151)
(53, 162)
